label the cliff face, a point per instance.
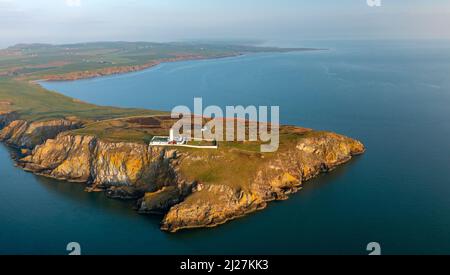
(22, 134)
(6, 118)
(123, 170)
(155, 177)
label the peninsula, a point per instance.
(107, 148)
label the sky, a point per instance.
(67, 21)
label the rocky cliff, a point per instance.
(24, 134)
(123, 170)
(154, 176)
(6, 118)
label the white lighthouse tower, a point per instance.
(172, 135)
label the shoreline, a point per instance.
(127, 69)
(123, 70)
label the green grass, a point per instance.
(126, 129)
(33, 103)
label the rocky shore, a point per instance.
(156, 178)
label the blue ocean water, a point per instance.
(394, 96)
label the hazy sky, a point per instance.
(61, 21)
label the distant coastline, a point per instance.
(90, 60)
(119, 70)
(79, 75)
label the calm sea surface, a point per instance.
(393, 96)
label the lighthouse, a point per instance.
(172, 135)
